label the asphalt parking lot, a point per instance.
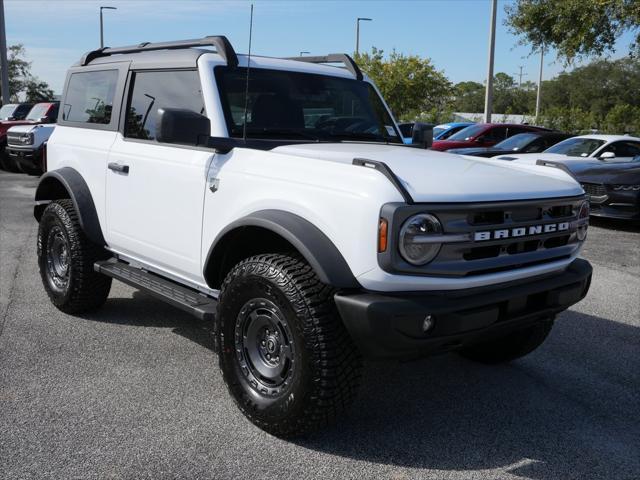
(133, 391)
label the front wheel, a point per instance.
(285, 356)
(511, 346)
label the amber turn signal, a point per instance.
(382, 235)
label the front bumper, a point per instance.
(391, 325)
(27, 157)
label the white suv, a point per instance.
(279, 202)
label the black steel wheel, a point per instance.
(66, 257)
(264, 345)
(285, 355)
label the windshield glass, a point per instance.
(293, 105)
(516, 142)
(468, 132)
(576, 147)
(437, 131)
(7, 110)
(38, 111)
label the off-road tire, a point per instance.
(326, 365)
(84, 289)
(511, 346)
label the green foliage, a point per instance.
(575, 28)
(411, 85)
(507, 96)
(21, 81)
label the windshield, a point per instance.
(293, 105)
(516, 142)
(38, 111)
(468, 132)
(7, 111)
(576, 147)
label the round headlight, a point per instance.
(415, 246)
(583, 218)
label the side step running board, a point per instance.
(197, 304)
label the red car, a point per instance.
(482, 135)
(44, 112)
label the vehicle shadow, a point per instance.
(143, 310)
(615, 224)
(569, 410)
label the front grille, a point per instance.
(594, 189)
(527, 243)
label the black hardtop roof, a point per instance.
(185, 53)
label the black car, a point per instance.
(530, 142)
(613, 186)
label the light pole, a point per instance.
(488, 99)
(304, 52)
(101, 25)
(539, 83)
(4, 64)
(358, 31)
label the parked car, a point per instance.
(612, 184)
(307, 242)
(622, 147)
(44, 112)
(483, 135)
(14, 111)
(26, 147)
(613, 187)
(531, 142)
(445, 130)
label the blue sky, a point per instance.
(453, 33)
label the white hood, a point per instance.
(431, 176)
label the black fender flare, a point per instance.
(49, 188)
(317, 249)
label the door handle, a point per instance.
(116, 167)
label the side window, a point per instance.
(537, 145)
(89, 97)
(154, 90)
(624, 149)
(496, 134)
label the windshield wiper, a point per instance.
(285, 132)
(358, 136)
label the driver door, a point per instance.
(155, 191)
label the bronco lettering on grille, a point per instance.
(521, 231)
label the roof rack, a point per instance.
(220, 42)
(343, 58)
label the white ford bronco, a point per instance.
(275, 198)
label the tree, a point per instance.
(575, 28)
(468, 97)
(21, 81)
(410, 84)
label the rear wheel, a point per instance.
(286, 357)
(66, 257)
(511, 346)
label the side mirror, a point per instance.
(11, 119)
(422, 135)
(480, 139)
(607, 155)
(185, 127)
(43, 120)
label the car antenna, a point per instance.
(246, 91)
